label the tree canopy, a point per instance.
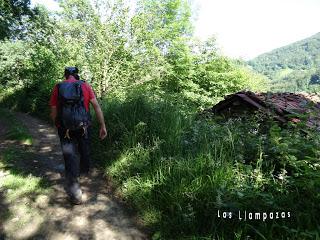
(119, 50)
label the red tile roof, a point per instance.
(284, 106)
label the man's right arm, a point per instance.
(53, 104)
(53, 114)
(99, 114)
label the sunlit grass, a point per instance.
(16, 186)
(16, 183)
(178, 170)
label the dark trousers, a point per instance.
(79, 142)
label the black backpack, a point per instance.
(72, 114)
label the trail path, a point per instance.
(100, 217)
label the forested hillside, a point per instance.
(295, 67)
(152, 79)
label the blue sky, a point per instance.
(247, 28)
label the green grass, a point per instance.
(16, 130)
(178, 170)
(20, 184)
(18, 179)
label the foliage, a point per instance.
(11, 16)
(152, 50)
(17, 185)
(152, 77)
(14, 63)
(179, 170)
(17, 19)
(15, 131)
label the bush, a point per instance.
(178, 171)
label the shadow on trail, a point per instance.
(99, 217)
(3, 214)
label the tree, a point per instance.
(315, 78)
(13, 14)
(96, 40)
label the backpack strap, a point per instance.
(81, 92)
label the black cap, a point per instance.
(71, 70)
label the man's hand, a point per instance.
(103, 132)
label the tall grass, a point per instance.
(178, 170)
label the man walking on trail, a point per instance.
(70, 101)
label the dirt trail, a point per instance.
(100, 217)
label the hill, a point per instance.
(295, 67)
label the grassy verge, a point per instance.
(20, 188)
(14, 129)
(179, 171)
(16, 181)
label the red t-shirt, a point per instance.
(87, 91)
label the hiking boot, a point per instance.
(85, 175)
(75, 193)
(75, 201)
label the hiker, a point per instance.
(69, 103)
